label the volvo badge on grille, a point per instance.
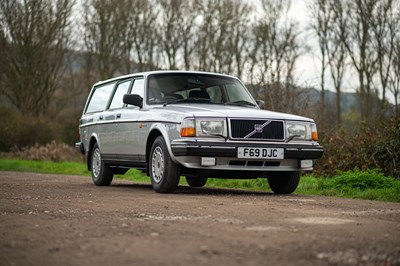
(257, 129)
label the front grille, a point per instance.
(257, 129)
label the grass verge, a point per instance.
(370, 184)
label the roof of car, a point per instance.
(147, 73)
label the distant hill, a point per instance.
(348, 100)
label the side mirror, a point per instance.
(260, 103)
(133, 99)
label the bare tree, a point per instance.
(176, 29)
(104, 23)
(141, 42)
(386, 27)
(222, 37)
(33, 41)
(212, 35)
(189, 33)
(394, 77)
(128, 34)
(360, 48)
(145, 35)
(274, 54)
(239, 35)
(336, 51)
(320, 20)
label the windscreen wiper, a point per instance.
(241, 102)
(188, 100)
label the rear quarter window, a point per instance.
(99, 99)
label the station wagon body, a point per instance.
(194, 124)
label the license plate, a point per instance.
(260, 153)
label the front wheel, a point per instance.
(164, 173)
(283, 182)
(102, 174)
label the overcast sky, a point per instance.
(308, 67)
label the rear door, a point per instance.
(96, 120)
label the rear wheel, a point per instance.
(194, 181)
(164, 173)
(102, 174)
(284, 182)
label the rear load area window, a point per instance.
(98, 101)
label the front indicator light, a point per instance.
(314, 132)
(188, 128)
(188, 132)
(314, 135)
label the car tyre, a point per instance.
(194, 181)
(102, 174)
(284, 182)
(164, 173)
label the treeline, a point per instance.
(257, 41)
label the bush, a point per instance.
(23, 130)
(19, 131)
(369, 179)
(373, 147)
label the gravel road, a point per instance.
(66, 220)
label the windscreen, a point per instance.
(175, 88)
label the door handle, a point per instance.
(101, 117)
(118, 115)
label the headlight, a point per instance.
(301, 131)
(204, 127)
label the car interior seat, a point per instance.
(199, 94)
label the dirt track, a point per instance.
(65, 220)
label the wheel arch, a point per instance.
(92, 141)
(153, 135)
(156, 131)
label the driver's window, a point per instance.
(138, 87)
(119, 94)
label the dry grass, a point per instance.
(53, 151)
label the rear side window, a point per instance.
(98, 101)
(117, 101)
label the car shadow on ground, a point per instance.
(186, 190)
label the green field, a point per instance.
(357, 184)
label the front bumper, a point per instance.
(189, 153)
(229, 149)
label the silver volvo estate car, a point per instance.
(194, 124)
